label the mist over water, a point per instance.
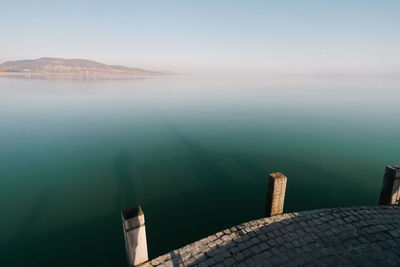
(195, 152)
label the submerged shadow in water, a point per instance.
(202, 163)
(124, 175)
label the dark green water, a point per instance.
(194, 152)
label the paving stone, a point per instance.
(230, 262)
(226, 238)
(247, 253)
(263, 246)
(168, 263)
(263, 237)
(255, 250)
(218, 241)
(219, 257)
(226, 254)
(239, 257)
(210, 261)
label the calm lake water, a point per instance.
(195, 152)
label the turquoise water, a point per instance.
(193, 151)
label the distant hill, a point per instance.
(69, 66)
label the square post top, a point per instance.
(395, 169)
(277, 176)
(131, 212)
(132, 218)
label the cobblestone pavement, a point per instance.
(360, 236)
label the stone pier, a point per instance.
(357, 236)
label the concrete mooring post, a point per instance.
(275, 194)
(135, 235)
(390, 192)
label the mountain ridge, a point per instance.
(48, 65)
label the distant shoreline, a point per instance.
(84, 74)
(153, 74)
(76, 76)
(47, 65)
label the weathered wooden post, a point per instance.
(135, 235)
(390, 192)
(275, 194)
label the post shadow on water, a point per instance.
(204, 167)
(122, 169)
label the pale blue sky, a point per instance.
(337, 36)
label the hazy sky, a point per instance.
(348, 36)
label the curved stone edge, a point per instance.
(205, 250)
